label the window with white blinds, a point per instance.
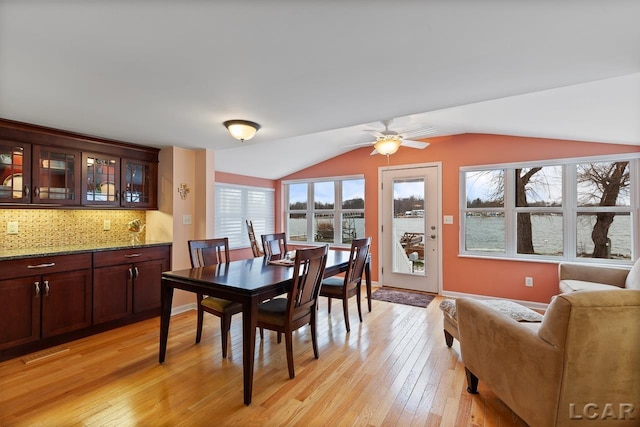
(237, 203)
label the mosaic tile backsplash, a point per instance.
(60, 227)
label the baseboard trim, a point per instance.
(529, 304)
(183, 308)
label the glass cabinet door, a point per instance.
(56, 176)
(101, 180)
(14, 172)
(139, 184)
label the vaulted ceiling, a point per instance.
(316, 74)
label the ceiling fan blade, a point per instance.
(359, 144)
(414, 144)
(376, 133)
(374, 152)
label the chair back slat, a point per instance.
(209, 252)
(274, 245)
(257, 252)
(307, 278)
(357, 261)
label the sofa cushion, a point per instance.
(581, 285)
(633, 279)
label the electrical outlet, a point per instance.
(528, 281)
(12, 227)
(106, 225)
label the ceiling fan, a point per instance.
(388, 141)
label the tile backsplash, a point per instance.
(62, 227)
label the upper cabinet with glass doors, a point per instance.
(47, 166)
(15, 172)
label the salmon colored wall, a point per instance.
(498, 278)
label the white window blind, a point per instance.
(234, 204)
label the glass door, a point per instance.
(101, 180)
(409, 238)
(138, 184)
(56, 176)
(15, 172)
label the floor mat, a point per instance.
(417, 299)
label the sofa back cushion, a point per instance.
(633, 279)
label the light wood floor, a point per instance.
(393, 369)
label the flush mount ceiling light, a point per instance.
(243, 130)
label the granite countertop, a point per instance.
(6, 255)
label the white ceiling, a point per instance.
(315, 74)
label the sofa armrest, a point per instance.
(522, 369)
(615, 276)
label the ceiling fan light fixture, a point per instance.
(388, 144)
(242, 130)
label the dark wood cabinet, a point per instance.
(48, 300)
(127, 281)
(44, 297)
(53, 167)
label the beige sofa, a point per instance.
(580, 365)
(581, 277)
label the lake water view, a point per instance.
(486, 234)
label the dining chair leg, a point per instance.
(314, 340)
(261, 333)
(345, 308)
(200, 320)
(358, 301)
(288, 337)
(225, 328)
(279, 337)
(329, 303)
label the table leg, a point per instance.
(249, 324)
(166, 297)
(367, 278)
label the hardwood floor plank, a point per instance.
(392, 369)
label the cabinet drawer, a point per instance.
(44, 265)
(129, 256)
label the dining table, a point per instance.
(248, 282)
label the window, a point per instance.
(325, 211)
(234, 204)
(569, 209)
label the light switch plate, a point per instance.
(12, 227)
(106, 225)
(186, 219)
(448, 219)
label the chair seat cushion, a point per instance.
(273, 311)
(332, 286)
(568, 285)
(220, 304)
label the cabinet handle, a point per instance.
(130, 274)
(132, 255)
(37, 285)
(135, 272)
(51, 264)
(27, 190)
(36, 191)
(46, 288)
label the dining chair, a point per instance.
(345, 288)
(257, 252)
(211, 252)
(285, 315)
(274, 245)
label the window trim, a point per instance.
(569, 209)
(337, 210)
